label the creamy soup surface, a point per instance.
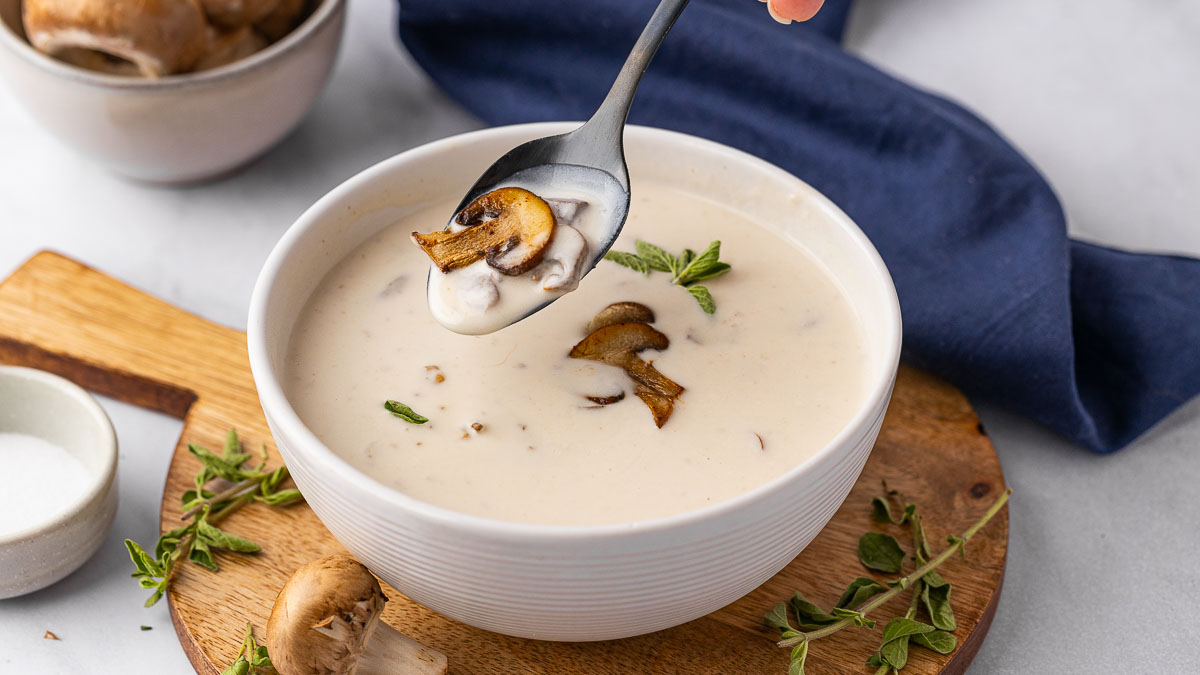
(769, 379)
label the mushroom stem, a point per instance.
(389, 651)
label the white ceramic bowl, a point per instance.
(181, 128)
(562, 582)
(39, 404)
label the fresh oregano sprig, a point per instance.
(251, 659)
(898, 633)
(197, 540)
(686, 270)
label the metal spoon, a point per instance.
(598, 144)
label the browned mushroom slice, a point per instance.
(621, 312)
(648, 376)
(660, 406)
(509, 227)
(607, 400)
(618, 345)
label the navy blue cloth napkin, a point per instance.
(1096, 344)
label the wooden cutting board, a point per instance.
(60, 315)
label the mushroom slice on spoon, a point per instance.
(509, 227)
(326, 619)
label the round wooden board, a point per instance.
(59, 315)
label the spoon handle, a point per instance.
(609, 121)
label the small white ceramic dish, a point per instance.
(47, 406)
(562, 582)
(181, 128)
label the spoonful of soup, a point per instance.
(541, 216)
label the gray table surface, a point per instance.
(1101, 94)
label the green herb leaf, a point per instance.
(880, 552)
(225, 540)
(901, 627)
(169, 540)
(145, 565)
(919, 540)
(859, 591)
(202, 555)
(700, 264)
(936, 599)
(938, 640)
(157, 595)
(655, 257)
(250, 657)
(702, 296)
(796, 663)
(809, 614)
(883, 512)
(934, 579)
(685, 258)
(281, 497)
(147, 628)
(404, 412)
(217, 465)
(260, 658)
(875, 660)
(686, 269)
(778, 617)
(896, 634)
(239, 667)
(629, 260)
(895, 653)
(232, 445)
(714, 271)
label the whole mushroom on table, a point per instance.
(326, 620)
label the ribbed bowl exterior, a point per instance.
(561, 582)
(579, 589)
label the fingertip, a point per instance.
(786, 11)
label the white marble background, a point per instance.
(1101, 94)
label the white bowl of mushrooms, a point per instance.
(547, 580)
(172, 91)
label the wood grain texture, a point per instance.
(60, 315)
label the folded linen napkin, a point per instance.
(1096, 344)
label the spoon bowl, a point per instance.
(592, 154)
